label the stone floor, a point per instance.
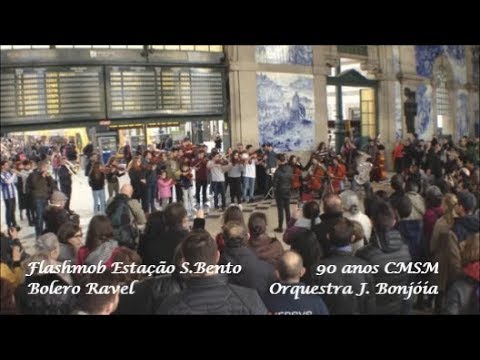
(82, 203)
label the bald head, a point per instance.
(127, 189)
(290, 267)
(332, 203)
(235, 232)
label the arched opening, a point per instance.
(442, 97)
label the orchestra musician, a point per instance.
(234, 177)
(337, 173)
(316, 175)
(186, 182)
(150, 169)
(379, 172)
(297, 179)
(201, 177)
(249, 158)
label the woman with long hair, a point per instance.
(137, 178)
(232, 214)
(96, 180)
(99, 245)
(267, 248)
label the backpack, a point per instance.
(125, 228)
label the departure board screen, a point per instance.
(153, 90)
(51, 94)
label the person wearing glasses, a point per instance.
(70, 237)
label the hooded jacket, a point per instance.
(382, 249)
(463, 296)
(465, 226)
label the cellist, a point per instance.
(297, 179)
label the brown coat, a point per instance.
(445, 250)
(266, 248)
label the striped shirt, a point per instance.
(8, 188)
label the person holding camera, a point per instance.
(11, 252)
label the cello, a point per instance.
(380, 173)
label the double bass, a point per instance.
(379, 172)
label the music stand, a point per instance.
(269, 193)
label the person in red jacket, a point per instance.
(398, 157)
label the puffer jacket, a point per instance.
(256, 274)
(44, 304)
(418, 206)
(321, 230)
(412, 235)
(463, 296)
(380, 251)
(282, 181)
(266, 248)
(213, 295)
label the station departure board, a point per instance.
(153, 90)
(51, 94)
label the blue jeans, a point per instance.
(149, 200)
(248, 186)
(98, 201)
(40, 206)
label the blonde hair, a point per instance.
(448, 204)
(470, 250)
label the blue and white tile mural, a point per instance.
(462, 113)
(425, 56)
(424, 124)
(398, 112)
(285, 106)
(284, 54)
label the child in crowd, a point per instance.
(164, 185)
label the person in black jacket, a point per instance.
(361, 300)
(163, 232)
(386, 245)
(282, 180)
(96, 180)
(65, 180)
(256, 274)
(209, 292)
(56, 214)
(332, 207)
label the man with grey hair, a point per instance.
(289, 271)
(332, 207)
(352, 211)
(56, 214)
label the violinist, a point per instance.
(150, 168)
(188, 149)
(186, 183)
(234, 175)
(137, 178)
(217, 171)
(270, 161)
(249, 169)
(201, 177)
(297, 179)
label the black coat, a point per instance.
(43, 304)
(213, 295)
(54, 217)
(282, 180)
(380, 251)
(256, 274)
(346, 303)
(321, 230)
(305, 242)
(65, 178)
(149, 294)
(161, 247)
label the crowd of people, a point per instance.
(431, 215)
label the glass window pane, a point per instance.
(216, 48)
(201, 47)
(22, 46)
(82, 46)
(6, 47)
(40, 46)
(134, 46)
(118, 46)
(64, 46)
(158, 47)
(100, 46)
(172, 47)
(187, 47)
